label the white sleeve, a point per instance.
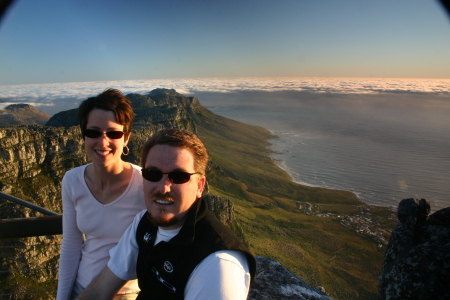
(71, 244)
(221, 275)
(123, 256)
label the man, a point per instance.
(176, 248)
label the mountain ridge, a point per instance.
(318, 249)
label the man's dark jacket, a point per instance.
(163, 270)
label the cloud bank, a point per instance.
(54, 97)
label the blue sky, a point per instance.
(52, 41)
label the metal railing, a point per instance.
(27, 204)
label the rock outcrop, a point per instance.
(274, 282)
(67, 118)
(22, 114)
(222, 207)
(33, 160)
(417, 259)
(161, 108)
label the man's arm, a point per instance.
(122, 262)
(104, 287)
(221, 275)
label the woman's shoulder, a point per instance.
(77, 171)
(135, 167)
(136, 170)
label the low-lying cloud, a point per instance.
(54, 97)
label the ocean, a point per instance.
(383, 139)
(384, 147)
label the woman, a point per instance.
(100, 199)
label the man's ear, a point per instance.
(200, 186)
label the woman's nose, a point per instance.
(104, 139)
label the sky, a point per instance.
(53, 41)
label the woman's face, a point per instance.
(104, 151)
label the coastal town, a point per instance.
(373, 221)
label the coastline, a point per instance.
(282, 153)
(373, 221)
(368, 144)
(283, 166)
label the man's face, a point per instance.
(167, 202)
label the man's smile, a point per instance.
(164, 202)
(163, 199)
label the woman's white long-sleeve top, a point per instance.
(102, 224)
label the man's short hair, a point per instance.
(178, 138)
(109, 100)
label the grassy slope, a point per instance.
(318, 250)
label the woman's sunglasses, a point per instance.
(177, 177)
(93, 134)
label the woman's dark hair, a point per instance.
(110, 100)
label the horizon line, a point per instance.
(233, 77)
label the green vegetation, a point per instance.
(25, 286)
(318, 250)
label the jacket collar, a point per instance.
(197, 212)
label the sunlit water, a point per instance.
(384, 148)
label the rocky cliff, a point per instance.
(33, 160)
(417, 261)
(274, 282)
(161, 108)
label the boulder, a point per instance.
(417, 259)
(274, 282)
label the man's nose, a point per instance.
(164, 184)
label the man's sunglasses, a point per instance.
(177, 177)
(93, 134)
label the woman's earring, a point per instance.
(127, 150)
